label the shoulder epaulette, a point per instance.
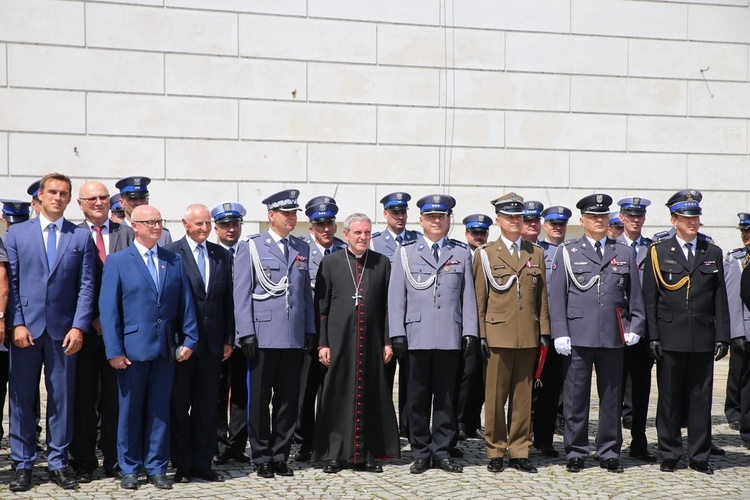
(415, 233)
(655, 242)
(252, 236)
(660, 236)
(458, 243)
(376, 234)
(485, 245)
(647, 240)
(567, 242)
(407, 243)
(338, 240)
(296, 237)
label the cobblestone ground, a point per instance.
(732, 478)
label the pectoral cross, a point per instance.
(356, 298)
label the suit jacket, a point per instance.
(135, 315)
(382, 242)
(276, 325)
(590, 317)
(214, 308)
(516, 317)
(435, 318)
(739, 315)
(316, 256)
(53, 299)
(682, 321)
(549, 257)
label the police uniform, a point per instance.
(273, 310)
(688, 322)
(432, 307)
(137, 187)
(15, 211)
(319, 209)
(115, 207)
(591, 301)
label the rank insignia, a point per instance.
(574, 249)
(420, 247)
(709, 262)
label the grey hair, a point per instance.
(193, 206)
(356, 217)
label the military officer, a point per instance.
(477, 230)
(321, 211)
(547, 394)
(134, 192)
(596, 307)
(273, 309)
(509, 280)
(432, 315)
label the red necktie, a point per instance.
(100, 243)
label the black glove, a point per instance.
(739, 347)
(249, 346)
(311, 340)
(722, 348)
(544, 340)
(484, 348)
(400, 347)
(655, 350)
(469, 345)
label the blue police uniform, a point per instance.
(137, 187)
(15, 211)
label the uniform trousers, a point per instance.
(4, 369)
(403, 382)
(432, 384)
(274, 380)
(310, 378)
(469, 396)
(735, 384)
(577, 397)
(547, 399)
(231, 430)
(685, 375)
(637, 363)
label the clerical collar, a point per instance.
(354, 254)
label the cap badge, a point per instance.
(636, 201)
(136, 181)
(690, 196)
(480, 218)
(513, 197)
(293, 193)
(532, 205)
(560, 210)
(322, 207)
(599, 198)
(227, 207)
(399, 196)
(436, 198)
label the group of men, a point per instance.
(298, 338)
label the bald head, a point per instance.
(144, 233)
(93, 200)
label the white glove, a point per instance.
(632, 338)
(562, 346)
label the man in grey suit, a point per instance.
(595, 307)
(432, 315)
(274, 321)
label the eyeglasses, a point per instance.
(93, 199)
(152, 223)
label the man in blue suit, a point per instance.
(51, 305)
(144, 298)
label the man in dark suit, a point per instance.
(145, 297)
(688, 326)
(196, 384)
(51, 305)
(96, 381)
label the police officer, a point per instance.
(432, 315)
(532, 220)
(477, 230)
(547, 394)
(615, 228)
(321, 211)
(273, 309)
(596, 307)
(688, 324)
(133, 193)
(15, 211)
(117, 213)
(33, 191)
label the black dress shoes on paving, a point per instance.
(369, 466)
(21, 481)
(734, 425)
(448, 465)
(181, 476)
(161, 481)
(547, 450)
(115, 472)
(302, 455)
(265, 470)
(209, 475)
(63, 478)
(332, 467)
(575, 465)
(522, 464)
(419, 466)
(221, 459)
(454, 452)
(668, 465)
(495, 465)
(715, 450)
(611, 465)
(129, 482)
(239, 456)
(282, 469)
(701, 466)
(84, 476)
(643, 455)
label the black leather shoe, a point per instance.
(611, 465)
(63, 478)
(448, 465)
(715, 450)
(221, 459)
(332, 467)
(161, 481)
(734, 425)
(209, 475)
(129, 482)
(547, 450)
(239, 456)
(495, 465)
(419, 466)
(461, 432)
(282, 469)
(455, 452)
(84, 476)
(559, 427)
(522, 464)
(302, 455)
(21, 481)
(181, 476)
(644, 455)
(575, 465)
(701, 466)
(265, 470)
(370, 466)
(668, 465)
(115, 472)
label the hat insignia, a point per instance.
(513, 197)
(532, 205)
(326, 199)
(560, 210)
(136, 181)
(690, 196)
(399, 196)
(227, 207)
(599, 198)
(322, 206)
(293, 193)
(480, 218)
(436, 198)
(636, 201)
(16, 207)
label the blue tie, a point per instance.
(202, 263)
(435, 248)
(635, 249)
(152, 267)
(51, 245)
(285, 242)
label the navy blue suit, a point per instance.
(134, 317)
(49, 302)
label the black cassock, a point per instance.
(355, 411)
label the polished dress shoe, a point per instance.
(282, 469)
(668, 465)
(302, 455)
(129, 482)
(611, 465)
(575, 465)
(448, 465)
(84, 476)
(547, 450)
(63, 478)
(239, 456)
(370, 466)
(495, 465)
(161, 481)
(644, 455)
(419, 466)
(21, 481)
(221, 459)
(181, 476)
(332, 467)
(455, 452)
(265, 470)
(209, 475)
(701, 466)
(734, 425)
(715, 450)
(522, 464)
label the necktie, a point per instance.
(435, 248)
(231, 250)
(285, 242)
(202, 263)
(690, 254)
(152, 267)
(514, 252)
(599, 249)
(635, 249)
(51, 244)
(100, 243)
(399, 239)
(327, 251)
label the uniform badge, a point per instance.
(599, 198)
(420, 247)
(227, 207)
(622, 280)
(447, 268)
(534, 280)
(614, 268)
(554, 265)
(268, 240)
(574, 250)
(580, 279)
